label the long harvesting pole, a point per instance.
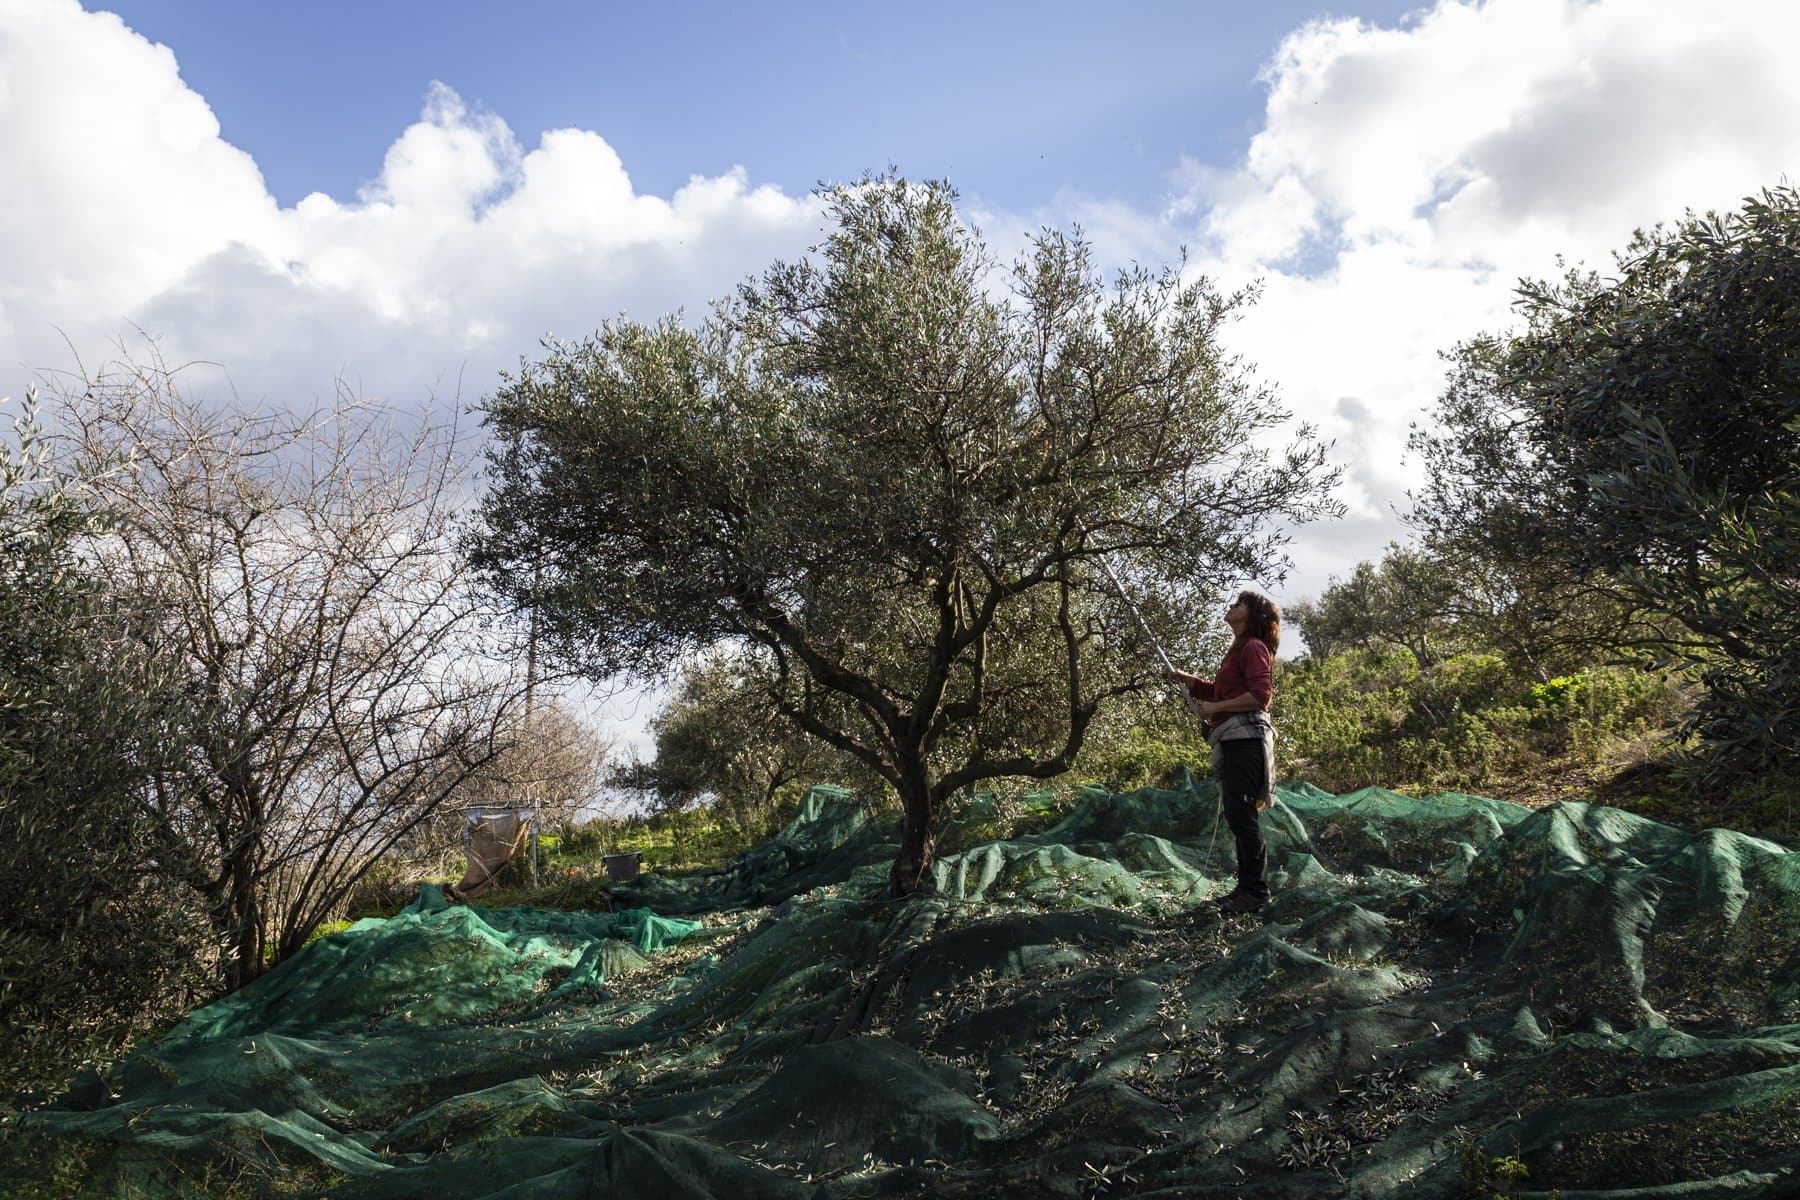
(1161, 655)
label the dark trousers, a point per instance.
(1243, 780)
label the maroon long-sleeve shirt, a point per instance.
(1249, 668)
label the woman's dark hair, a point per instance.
(1265, 619)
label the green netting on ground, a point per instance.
(435, 964)
(1440, 983)
(828, 838)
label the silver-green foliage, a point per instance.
(1642, 433)
(892, 470)
(1470, 722)
(720, 736)
(97, 942)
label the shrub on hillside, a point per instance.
(1470, 722)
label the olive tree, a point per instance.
(1636, 443)
(895, 470)
(720, 735)
(1406, 600)
(1495, 515)
(1443, 598)
(98, 943)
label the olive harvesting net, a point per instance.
(1448, 996)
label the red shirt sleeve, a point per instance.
(1201, 691)
(1259, 670)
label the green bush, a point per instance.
(1465, 683)
(1558, 694)
(1373, 717)
(1471, 722)
(676, 839)
(1338, 717)
(1142, 756)
(98, 945)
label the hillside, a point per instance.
(1449, 996)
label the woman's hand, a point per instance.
(1174, 676)
(1208, 708)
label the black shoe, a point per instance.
(1242, 902)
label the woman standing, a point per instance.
(1236, 703)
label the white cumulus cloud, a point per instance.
(117, 181)
(1400, 182)
(458, 255)
(126, 211)
(1405, 178)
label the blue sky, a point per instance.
(403, 198)
(1012, 102)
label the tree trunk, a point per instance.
(1421, 652)
(918, 832)
(238, 919)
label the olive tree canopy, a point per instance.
(1637, 441)
(897, 478)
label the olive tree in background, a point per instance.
(342, 679)
(1438, 599)
(1638, 443)
(893, 470)
(720, 736)
(1407, 600)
